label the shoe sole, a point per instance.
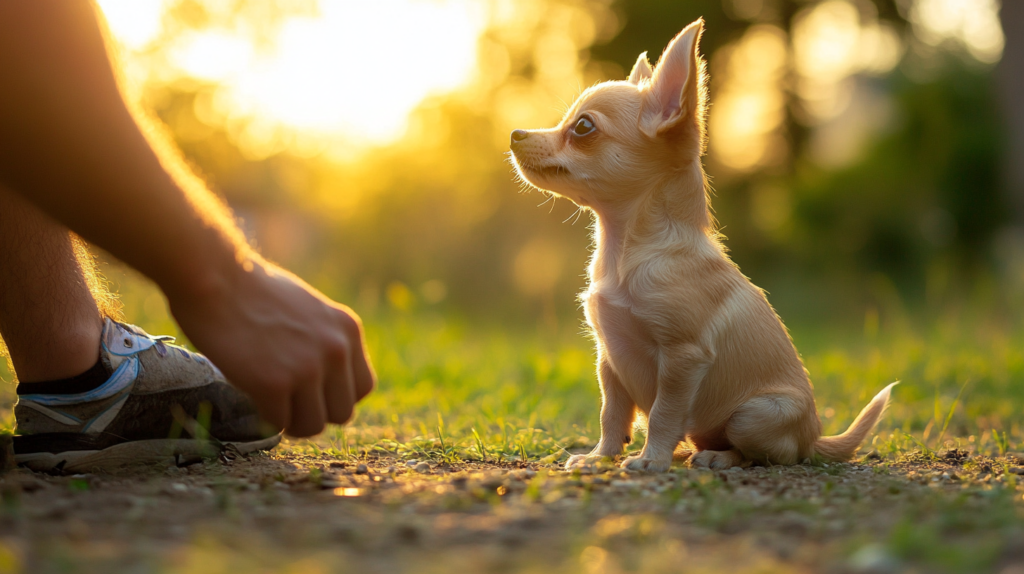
(134, 453)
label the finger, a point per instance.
(365, 379)
(308, 414)
(339, 391)
(362, 371)
(276, 410)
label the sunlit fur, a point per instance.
(683, 338)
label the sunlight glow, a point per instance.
(832, 43)
(347, 491)
(352, 71)
(750, 105)
(134, 23)
(974, 23)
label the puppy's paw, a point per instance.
(716, 459)
(646, 464)
(579, 460)
(682, 454)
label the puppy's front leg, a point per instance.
(680, 372)
(617, 414)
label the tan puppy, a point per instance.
(682, 336)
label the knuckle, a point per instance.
(349, 323)
(339, 348)
(304, 373)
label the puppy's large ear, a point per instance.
(674, 92)
(641, 70)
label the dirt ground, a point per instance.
(285, 512)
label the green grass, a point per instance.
(458, 388)
(450, 388)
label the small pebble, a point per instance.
(361, 469)
(422, 468)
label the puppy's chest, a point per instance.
(627, 336)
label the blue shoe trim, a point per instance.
(120, 380)
(72, 417)
(117, 403)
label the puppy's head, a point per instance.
(622, 137)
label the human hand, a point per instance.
(299, 355)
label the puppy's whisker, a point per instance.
(579, 214)
(578, 210)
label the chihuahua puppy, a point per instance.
(683, 338)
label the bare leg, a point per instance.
(49, 318)
(680, 374)
(617, 414)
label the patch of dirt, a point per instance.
(283, 512)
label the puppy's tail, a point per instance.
(840, 448)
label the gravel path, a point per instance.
(285, 512)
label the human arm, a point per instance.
(70, 145)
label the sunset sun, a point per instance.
(346, 70)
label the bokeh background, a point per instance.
(867, 159)
(865, 154)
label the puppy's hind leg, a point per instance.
(618, 411)
(768, 429)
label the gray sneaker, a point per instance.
(161, 403)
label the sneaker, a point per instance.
(160, 404)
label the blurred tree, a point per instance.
(1011, 87)
(915, 204)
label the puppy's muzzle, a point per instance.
(518, 136)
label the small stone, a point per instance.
(408, 533)
(422, 468)
(412, 463)
(873, 558)
(523, 474)
(362, 469)
(1017, 470)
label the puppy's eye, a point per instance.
(583, 127)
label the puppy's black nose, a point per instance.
(519, 135)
